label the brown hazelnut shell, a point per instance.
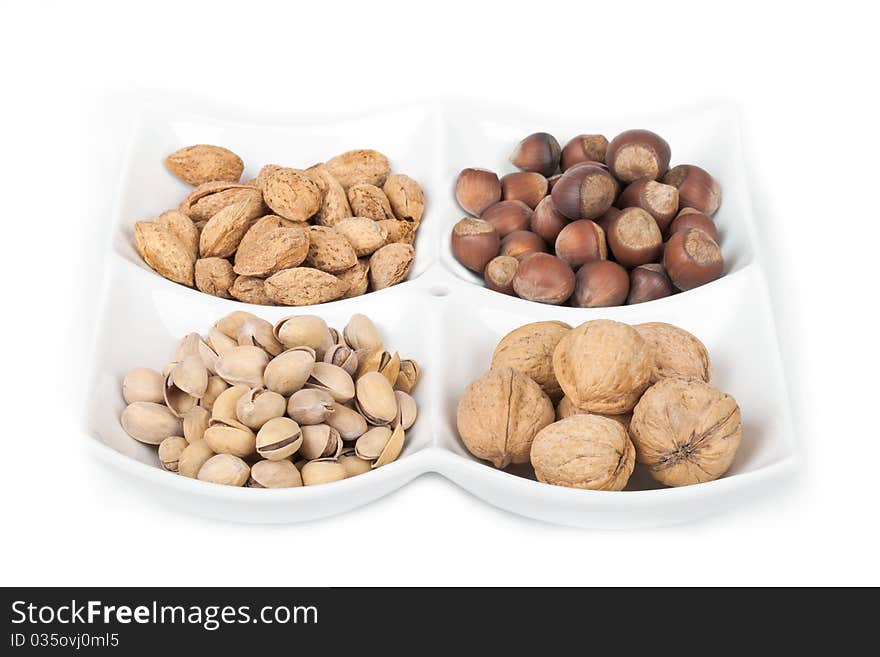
(692, 258)
(474, 243)
(693, 219)
(539, 153)
(658, 200)
(649, 283)
(696, 188)
(521, 243)
(637, 154)
(499, 274)
(508, 216)
(581, 241)
(585, 191)
(583, 148)
(634, 238)
(600, 284)
(477, 189)
(547, 221)
(524, 186)
(544, 278)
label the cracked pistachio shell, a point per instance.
(143, 385)
(332, 379)
(342, 356)
(304, 331)
(170, 450)
(370, 446)
(322, 471)
(225, 405)
(230, 437)
(225, 469)
(353, 464)
(193, 458)
(309, 406)
(376, 399)
(258, 406)
(230, 324)
(216, 385)
(258, 332)
(195, 421)
(177, 400)
(361, 334)
(288, 371)
(190, 376)
(220, 342)
(408, 376)
(279, 438)
(320, 441)
(243, 365)
(274, 474)
(389, 366)
(393, 448)
(149, 422)
(407, 410)
(349, 423)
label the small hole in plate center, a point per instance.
(439, 291)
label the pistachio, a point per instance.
(225, 405)
(230, 324)
(258, 332)
(195, 421)
(177, 400)
(150, 422)
(303, 331)
(320, 441)
(371, 445)
(342, 356)
(349, 423)
(353, 464)
(225, 469)
(322, 471)
(216, 385)
(143, 385)
(243, 365)
(279, 438)
(230, 437)
(332, 379)
(408, 376)
(192, 344)
(309, 406)
(274, 474)
(376, 399)
(170, 450)
(220, 342)
(193, 458)
(258, 406)
(407, 410)
(190, 376)
(392, 448)
(361, 334)
(289, 371)
(389, 366)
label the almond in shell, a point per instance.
(183, 229)
(399, 231)
(304, 286)
(203, 163)
(357, 278)
(369, 201)
(359, 166)
(364, 235)
(162, 251)
(406, 197)
(208, 199)
(390, 265)
(250, 289)
(329, 250)
(334, 205)
(214, 276)
(270, 245)
(291, 193)
(222, 234)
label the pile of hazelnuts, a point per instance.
(592, 224)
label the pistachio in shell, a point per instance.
(243, 365)
(370, 445)
(193, 458)
(303, 331)
(230, 437)
(320, 441)
(170, 450)
(361, 334)
(190, 376)
(274, 474)
(353, 464)
(258, 406)
(309, 406)
(375, 398)
(230, 324)
(150, 423)
(258, 332)
(392, 449)
(225, 469)
(349, 423)
(333, 380)
(226, 404)
(322, 471)
(195, 421)
(279, 438)
(289, 371)
(143, 384)
(407, 376)
(407, 410)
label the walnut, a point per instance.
(676, 352)
(685, 431)
(566, 409)
(499, 415)
(603, 366)
(529, 349)
(584, 451)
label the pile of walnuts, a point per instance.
(622, 393)
(288, 237)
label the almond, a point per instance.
(270, 246)
(162, 251)
(208, 199)
(202, 163)
(304, 286)
(364, 235)
(406, 197)
(399, 231)
(390, 265)
(369, 201)
(291, 193)
(250, 289)
(334, 206)
(329, 250)
(223, 232)
(214, 276)
(183, 228)
(360, 166)
(356, 278)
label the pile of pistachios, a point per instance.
(297, 403)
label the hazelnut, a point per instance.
(690, 218)
(538, 153)
(581, 241)
(544, 278)
(524, 186)
(508, 216)
(685, 431)
(696, 188)
(658, 200)
(529, 349)
(605, 219)
(547, 221)
(638, 154)
(474, 243)
(600, 284)
(585, 191)
(499, 415)
(521, 243)
(676, 352)
(476, 190)
(692, 258)
(634, 238)
(648, 282)
(499, 274)
(584, 148)
(552, 181)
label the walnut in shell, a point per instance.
(529, 349)
(406, 197)
(203, 163)
(369, 201)
(584, 451)
(359, 166)
(329, 250)
(304, 286)
(566, 409)
(291, 193)
(685, 431)
(603, 366)
(390, 265)
(499, 415)
(270, 245)
(214, 276)
(675, 352)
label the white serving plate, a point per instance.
(442, 316)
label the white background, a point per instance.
(805, 80)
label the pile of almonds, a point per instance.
(622, 393)
(288, 237)
(266, 406)
(594, 224)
